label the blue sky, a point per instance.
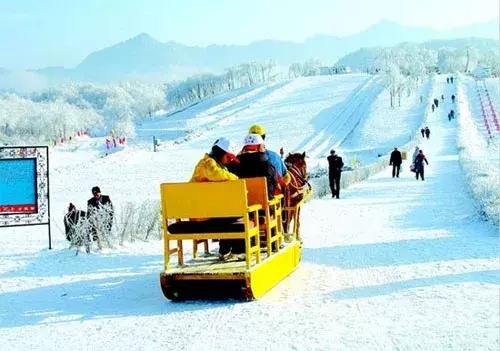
(40, 33)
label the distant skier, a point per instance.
(447, 80)
(335, 165)
(419, 164)
(427, 132)
(449, 116)
(395, 162)
(451, 80)
(433, 107)
(452, 114)
(453, 98)
(436, 102)
(422, 131)
(442, 98)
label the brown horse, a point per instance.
(296, 191)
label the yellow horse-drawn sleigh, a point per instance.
(205, 212)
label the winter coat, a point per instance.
(415, 154)
(257, 164)
(277, 162)
(104, 202)
(396, 158)
(93, 204)
(419, 162)
(335, 165)
(209, 170)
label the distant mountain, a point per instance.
(143, 57)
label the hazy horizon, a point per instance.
(37, 34)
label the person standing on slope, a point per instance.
(335, 165)
(415, 153)
(395, 162)
(419, 164)
(427, 132)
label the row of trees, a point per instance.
(59, 112)
(27, 120)
(403, 69)
(200, 87)
(467, 59)
(119, 105)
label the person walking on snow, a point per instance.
(335, 165)
(419, 164)
(453, 98)
(415, 153)
(427, 132)
(436, 102)
(433, 107)
(395, 162)
(422, 131)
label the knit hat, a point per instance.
(253, 139)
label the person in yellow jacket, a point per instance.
(213, 166)
(274, 158)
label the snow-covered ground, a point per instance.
(394, 264)
(384, 128)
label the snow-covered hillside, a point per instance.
(393, 264)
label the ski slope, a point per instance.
(393, 264)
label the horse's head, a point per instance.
(297, 160)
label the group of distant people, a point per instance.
(426, 132)
(417, 165)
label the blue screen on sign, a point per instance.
(18, 182)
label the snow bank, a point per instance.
(479, 158)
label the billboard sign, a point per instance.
(24, 181)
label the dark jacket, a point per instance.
(335, 165)
(93, 203)
(396, 158)
(257, 164)
(419, 162)
(104, 201)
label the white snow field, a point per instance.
(394, 264)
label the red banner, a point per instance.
(18, 209)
